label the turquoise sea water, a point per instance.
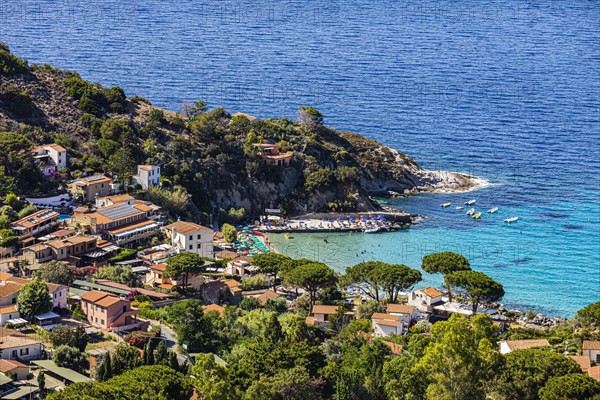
(508, 90)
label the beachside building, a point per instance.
(147, 176)
(386, 324)
(241, 265)
(425, 299)
(191, 237)
(507, 346)
(122, 223)
(271, 155)
(406, 313)
(35, 225)
(15, 345)
(107, 312)
(88, 189)
(591, 349)
(50, 158)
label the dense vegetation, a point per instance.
(208, 154)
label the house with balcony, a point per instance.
(90, 188)
(110, 313)
(425, 299)
(147, 176)
(271, 155)
(190, 237)
(34, 225)
(407, 314)
(321, 313)
(115, 199)
(385, 324)
(50, 158)
(70, 249)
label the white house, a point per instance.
(17, 346)
(507, 346)
(187, 236)
(50, 158)
(591, 349)
(147, 176)
(241, 265)
(7, 313)
(387, 324)
(405, 312)
(425, 299)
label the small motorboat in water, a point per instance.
(493, 210)
(448, 204)
(459, 207)
(471, 211)
(371, 230)
(477, 215)
(511, 219)
(470, 202)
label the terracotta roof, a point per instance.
(389, 322)
(400, 308)
(213, 307)
(594, 372)
(527, 343)
(54, 146)
(184, 227)
(108, 301)
(119, 198)
(5, 276)
(310, 320)
(53, 287)
(36, 218)
(242, 258)
(266, 296)
(85, 180)
(432, 292)
(583, 361)
(16, 340)
(36, 248)
(9, 365)
(8, 309)
(321, 309)
(137, 209)
(70, 241)
(62, 232)
(159, 267)
(147, 167)
(93, 296)
(9, 288)
(395, 347)
(232, 283)
(223, 254)
(591, 345)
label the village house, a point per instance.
(507, 346)
(425, 299)
(155, 277)
(591, 349)
(90, 188)
(18, 346)
(221, 292)
(72, 247)
(214, 307)
(14, 369)
(9, 291)
(271, 155)
(121, 223)
(112, 200)
(34, 225)
(387, 324)
(241, 265)
(50, 158)
(265, 296)
(147, 176)
(190, 237)
(8, 313)
(59, 294)
(406, 313)
(11, 285)
(320, 314)
(107, 312)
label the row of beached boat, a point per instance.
(476, 215)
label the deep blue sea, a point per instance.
(506, 90)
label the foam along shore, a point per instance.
(355, 222)
(431, 181)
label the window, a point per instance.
(191, 237)
(14, 300)
(191, 247)
(102, 321)
(598, 358)
(96, 319)
(25, 351)
(198, 237)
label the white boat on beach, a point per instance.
(470, 202)
(493, 210)
(459, 207)
(511, 219)
(448, 204)
(471, 211)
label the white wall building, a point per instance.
(425, 299)
(187, 236)
(16, 346)
(147, 176)
(404, 312)
(51, 158)
(591, 349)
(7, 313)
(387, 324)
